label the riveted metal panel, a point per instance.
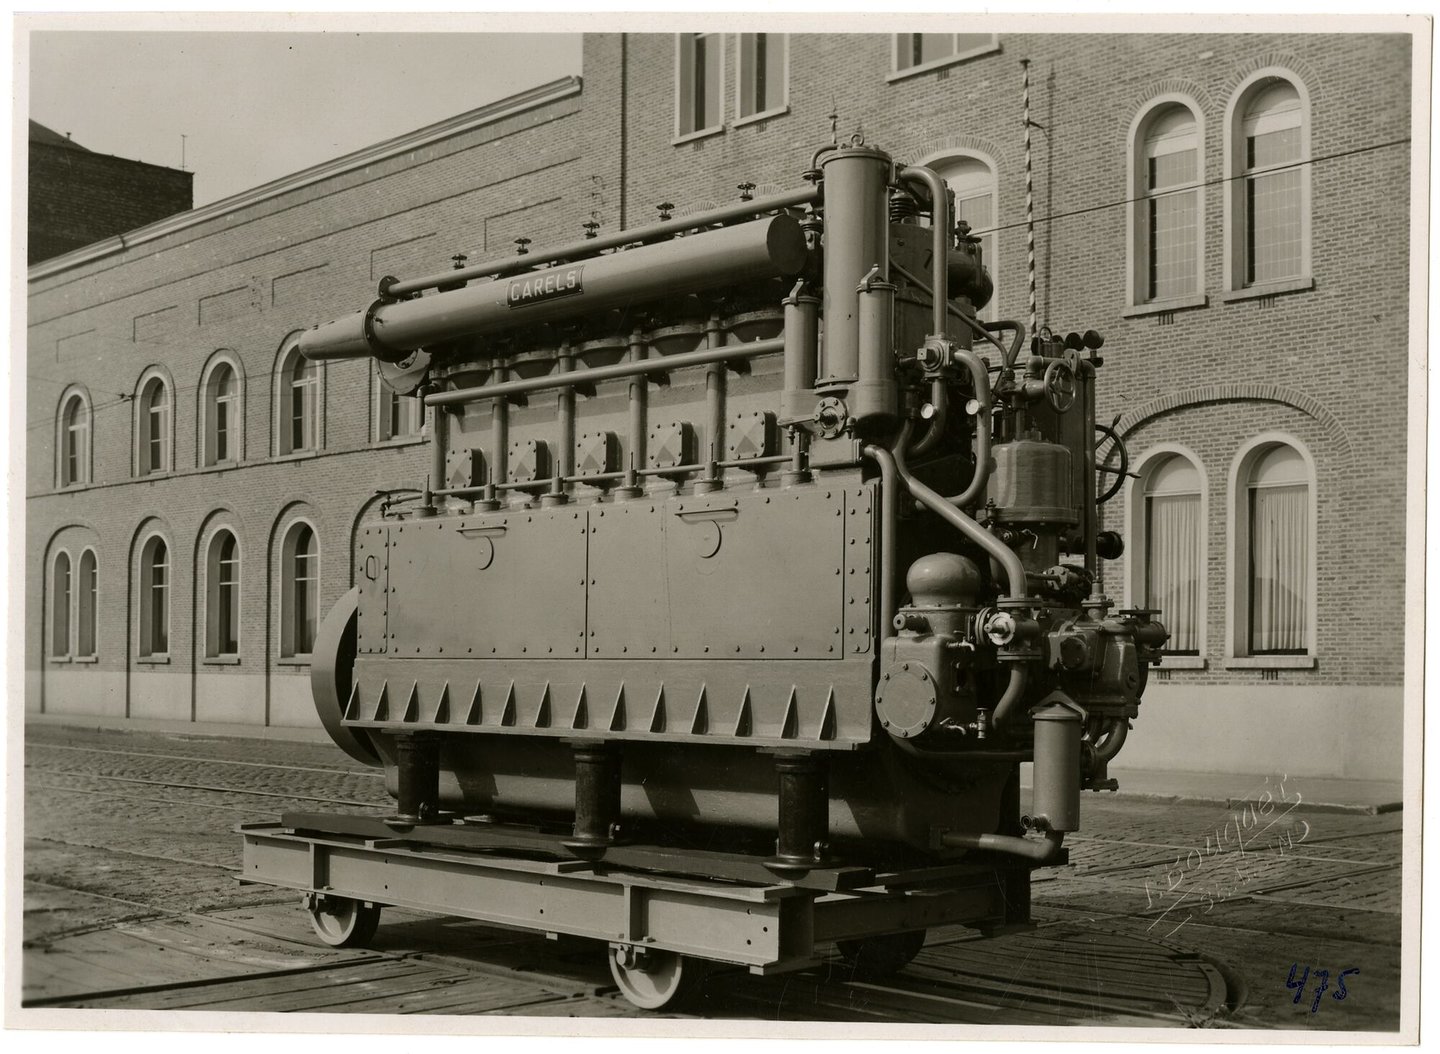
(631, 610)
(503, 585)
(372, 562)
(860, 569)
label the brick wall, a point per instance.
(78, 197)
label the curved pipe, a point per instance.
(889, 516)
(1009, 702)
(1119, 729)
(1008, 559)
(980, 377)
(940, 400)
(818, 154)
(1004, 326)
(1041, 852)
(940, 239)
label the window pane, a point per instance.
(707, 61)
(159, 600)
(1172, 567)
(1279, 563)
(1280, 147)
(1172, 169)
(771, 66)
(60, 638)
(1272, 206)
(1173, 225)
(932, 47)
(89, 589)
(305, 590)
(227, 611)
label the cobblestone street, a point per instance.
(1259, 913)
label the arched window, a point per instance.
(1273, 555)
(1269, 206)
(60, 586)
(1173, 532)
(74, 441)
(298, 397)
(221, 415)
(973, 182)
(88, 587)
(222, 595)
(154, 410)
(299, 590)
(154, 597)
(396, 416)
(1169, 207)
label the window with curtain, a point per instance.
(399, 416)
(1170, 205)
(761, 78)
(697, 102)
(155, 597)
(1272, 205)
(1278, 525)
(221, 400)
(300, 593)
(154, 427)
(223, 602)
(913, 50)
(74, 441)
(1172, 552)
(60, 606)
(974, 184)
(89, 590)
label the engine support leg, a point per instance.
(417, 758)
(803, 824)
(597, 799)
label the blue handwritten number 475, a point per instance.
(1321, 988)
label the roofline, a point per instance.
(533, 98)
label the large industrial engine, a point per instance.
(743, 539)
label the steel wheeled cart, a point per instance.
(666, 915)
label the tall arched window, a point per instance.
(973, 183)
(154, 597)
(1278, 525)
(88, 587)
(1169, 205)
(60, 606)
(298, 399)
(74, 441)
(1173, 545)
(222, 595)
(154, 410)
(299, 590)
(1269, 205)
(221, 414)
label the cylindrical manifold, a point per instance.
(765, 248)
(857, 226)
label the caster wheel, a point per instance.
(876, 957)
(655, 980)
(344, 923)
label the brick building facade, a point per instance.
(1212, 204)
(77, 197)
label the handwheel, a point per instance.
(344, 923)
(1059, 384)
(875, 957)
(1117, 447)
(654, 979)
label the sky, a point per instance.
(255, 106)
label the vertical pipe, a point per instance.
(889, 523)
(856, 239)
(597, 799)
(499, 441)
(417, 762)
(564, 461)
(635, 448)
(940, 227)
(803, 819)
(1029, 199)
(1085, 380)
(714, 412)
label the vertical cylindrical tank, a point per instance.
(802, 342)
(1056, 805)
(875, 393)
(856, 188)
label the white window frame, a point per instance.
(286, 361)
(214, 583)
(81, 654)
(145, 598)
(1137, 543)
(151, 380)
(73, 396)
(1237, 557)
(1234, 196)
(899, 72)
(1138, 196)
(742, 118)
(938, 160)
(383, 398)
(683, 98)
(288, 599)
(209, 398)
(57, 596)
